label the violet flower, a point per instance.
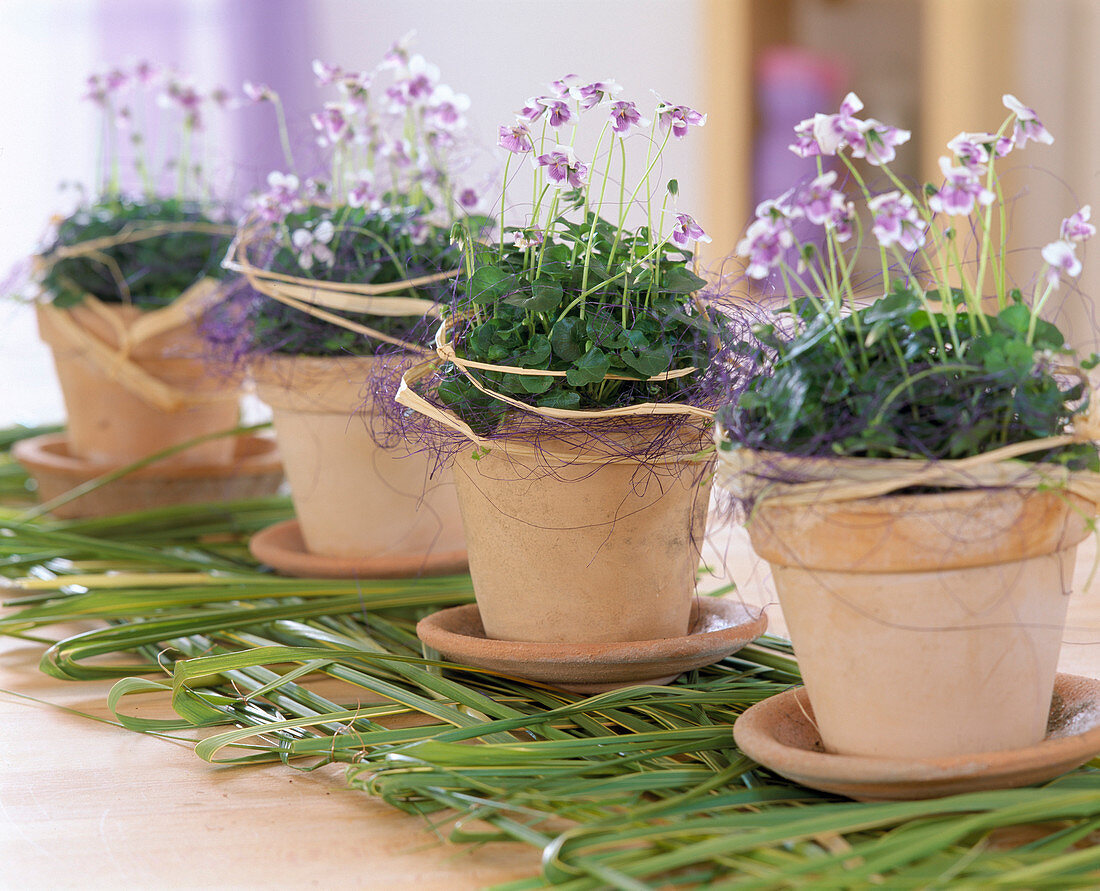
(832, 132)
(562, 167)
(818, 201)
(468, 199)
(566, 87)
(516, 139)
(559, 112)
(876, 142)
(961, 189)
(326, 74)
(686, 230)
(595, 93)
(1061, 257)
(1077, 227)
(897, 221)
(624, 116)
(532, 110)
(1028, 126)
(363, 193)
(678, 117)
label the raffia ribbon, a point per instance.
(792, 480)
(315, 298)
(117, 363)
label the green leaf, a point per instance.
(680, 281)
(648, 362)
(567, 338)
(488, 284)
(591, 368)
(545, 296)
(559, 398)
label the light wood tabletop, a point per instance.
(90, 805)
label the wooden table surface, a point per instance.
(89, 805)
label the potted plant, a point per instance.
(344, 271)
(124, 279)
(575, 374)
(918, 466)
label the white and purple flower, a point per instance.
(896, 220)
(593, 94)
(1061, 260)
(975, 149)
(962, 189)
(1027, 126)
(625, 116)
(312, 244)
(527, 238)
(516, 139)
(1077, 227)
(332, 123)
(687, 230)
(678, 118)
(562, 167)
(766, 241)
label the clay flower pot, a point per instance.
(565, 549)
(127, 395)
(354, 499)
(926, 626)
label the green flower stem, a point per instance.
(503, 196)
(1037, 305)
(284, 133)
(599, 206)
(645, 179)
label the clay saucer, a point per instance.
(255, 471)
(283, 549)
(780, 734)
(719, 627)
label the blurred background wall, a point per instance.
(755, 66)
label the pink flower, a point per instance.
(686, 229)
(1028, 125)
(679, 118)
(1077, 226)
(819, 202)
(363, 194)
(1061, 258)
(468, 199)
(961, 189)
(516, 139)
(532, 110)
(624, 116)
(896, 221)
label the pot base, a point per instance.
(283, 549)
(719, 627)
(780, 734)
(254, 472)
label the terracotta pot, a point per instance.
(926, 626)
(353, 498)
(109, 422)
(572, 552)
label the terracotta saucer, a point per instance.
(719, 627)
(283, 549)
(255, 471)
(780, 734)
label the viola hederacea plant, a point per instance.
(153, 223)
(947, 358)
(572, 287)
(383, 211)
